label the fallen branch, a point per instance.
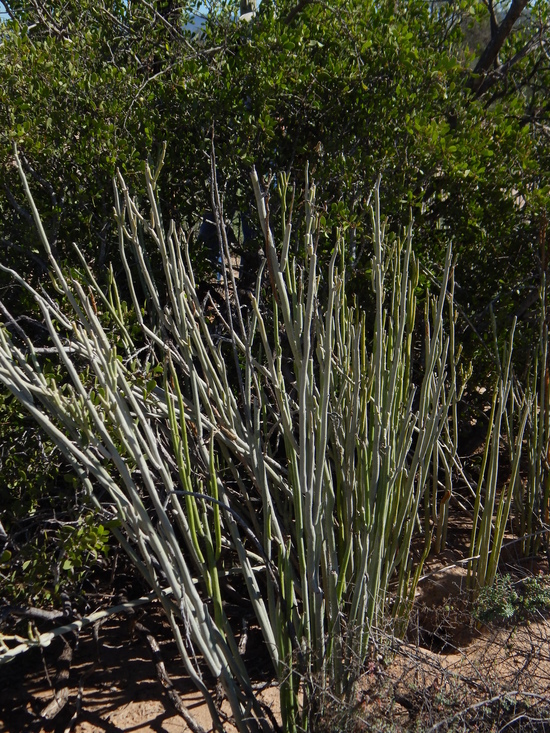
(166, 682)
(37, 614)
(45, 639)
(485, 703)
(61, 689)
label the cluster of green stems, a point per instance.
(271, 444)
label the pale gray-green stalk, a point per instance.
(286, 453)
(532, 497)
(492, 502)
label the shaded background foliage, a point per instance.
(442, 98)
(356, 89)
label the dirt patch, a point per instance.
(112, 686)
(484, 678)
(499, 681)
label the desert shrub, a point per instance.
(498, 601)
(277, 442)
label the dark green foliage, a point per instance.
(58, 559)
(53, 538)
(356, 89)
(28, 465)
(506, 600)
(535, 594)
(496, 602)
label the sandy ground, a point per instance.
(112, 686)
(449, 665)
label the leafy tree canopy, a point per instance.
(447, 100)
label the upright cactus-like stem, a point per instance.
(284, 452)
